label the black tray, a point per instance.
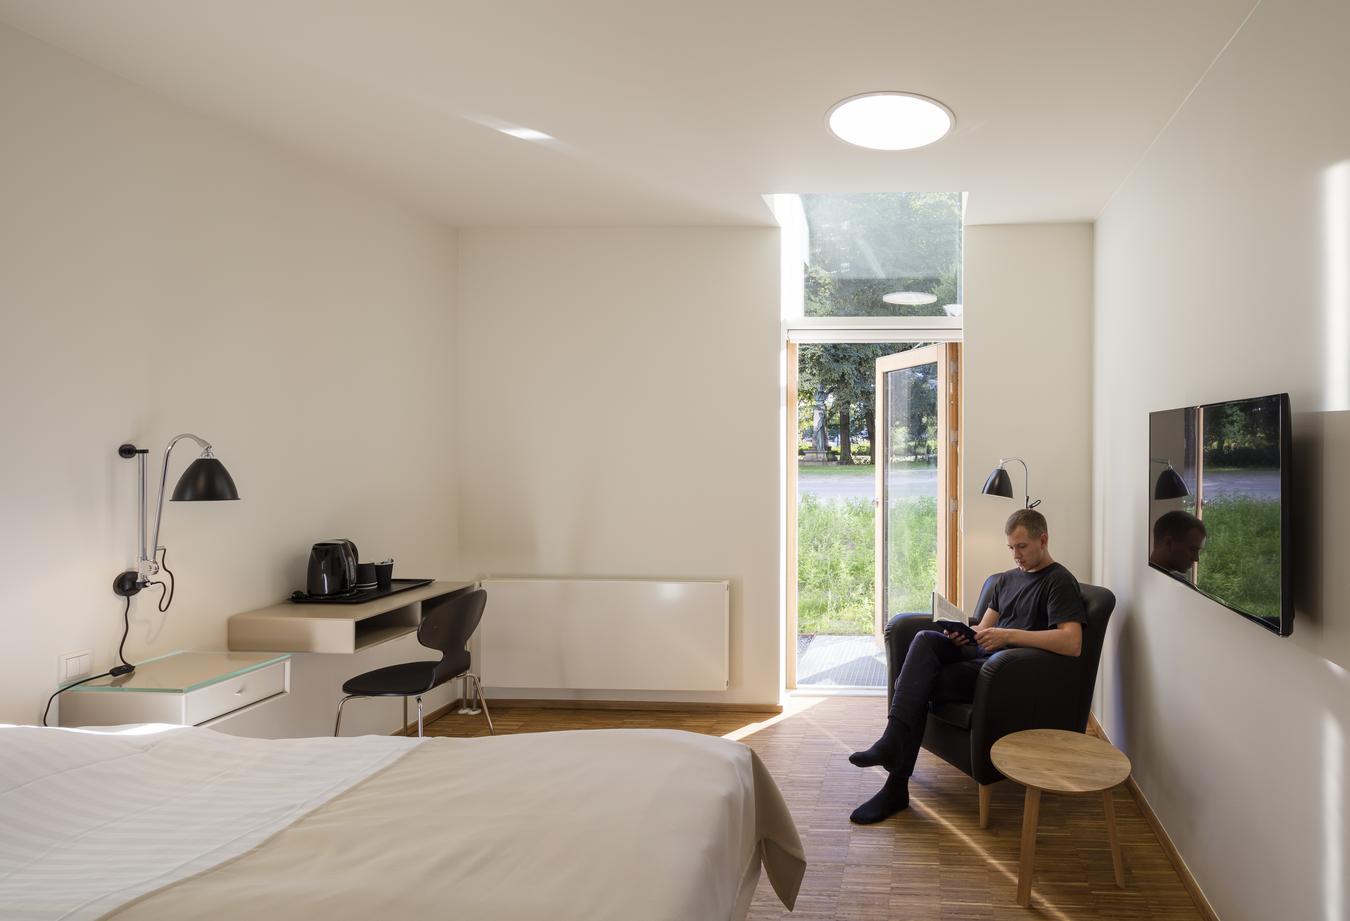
(363, 595)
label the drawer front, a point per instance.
(227, 696)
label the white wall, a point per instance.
(620, 395)
(160, 273)
(1028, 359)
(1223, 271)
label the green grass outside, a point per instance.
(1240, 564)
(835, 569)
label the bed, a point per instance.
(153, 823)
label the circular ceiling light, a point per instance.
(890, 121)
(909, 298)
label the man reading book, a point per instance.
(1037, 603)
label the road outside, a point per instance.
(834, 482)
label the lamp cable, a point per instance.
(116, 671)
(165, 589)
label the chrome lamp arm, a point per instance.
(1026, 479)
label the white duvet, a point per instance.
(158, 823)
(91, 820)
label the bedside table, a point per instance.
(182, 688)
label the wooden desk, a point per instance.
(336, 628)
(1060, 762)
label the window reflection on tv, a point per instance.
(1219, 504)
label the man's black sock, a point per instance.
(885, 751)
(890, 799)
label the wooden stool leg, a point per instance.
(986, 791)
(1110, 808)
(1031, 814)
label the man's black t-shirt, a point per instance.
(1037, 600)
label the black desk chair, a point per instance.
(446, 629)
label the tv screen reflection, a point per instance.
(1218, 511)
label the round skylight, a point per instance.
(890, 121)
(909, 298)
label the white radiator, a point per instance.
(605, 634)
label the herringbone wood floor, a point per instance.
(932, 861)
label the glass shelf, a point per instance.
(180, 672)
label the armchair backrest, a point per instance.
(982, 603)
(1099, 603)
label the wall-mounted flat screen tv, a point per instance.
(1219, 498)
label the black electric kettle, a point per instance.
(332, 568)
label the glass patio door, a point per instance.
(917, 476)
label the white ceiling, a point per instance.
(675, 112)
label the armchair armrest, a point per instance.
(1018, 689)
(899, 633)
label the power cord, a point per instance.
(165, 590)
(117, 671)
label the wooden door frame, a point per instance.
(947, 357)
(790, 499)
(953, 389)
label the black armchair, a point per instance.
(1017, 689)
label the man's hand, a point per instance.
(992, 639)
(958, 639)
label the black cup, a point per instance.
(384, 574)
(365, 575)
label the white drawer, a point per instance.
(213, 700)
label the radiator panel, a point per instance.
(605, 635)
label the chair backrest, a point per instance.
(982, 604)
(447, 628)
(1099, 603)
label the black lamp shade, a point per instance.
(1170, 485)
(998, 484)
(205, 480)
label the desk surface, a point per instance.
(334, 628)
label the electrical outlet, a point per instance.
(75, 665)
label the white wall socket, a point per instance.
(75, 665)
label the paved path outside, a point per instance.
(1254, 484)
(904, 483)
(840, 661)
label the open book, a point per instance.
(948, 617)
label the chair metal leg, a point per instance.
(482, 702)
(337, 726)
(465, 705)
(419, 715)
(404, 728)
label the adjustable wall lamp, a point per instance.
(1000, 484)
(205, 480)
(1169, 485)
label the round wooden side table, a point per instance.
(1055, 761)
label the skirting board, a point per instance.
(1187, 880)
(510, 703)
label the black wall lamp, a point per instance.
(999, 482)
(1169, 485)
(205, 480)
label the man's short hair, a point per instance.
(1027, 518)
(1176, 525)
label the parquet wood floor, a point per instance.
(932, 861)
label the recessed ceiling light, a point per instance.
(909, 298)
(526, 134)
(890, 121)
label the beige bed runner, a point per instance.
(629, 825)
